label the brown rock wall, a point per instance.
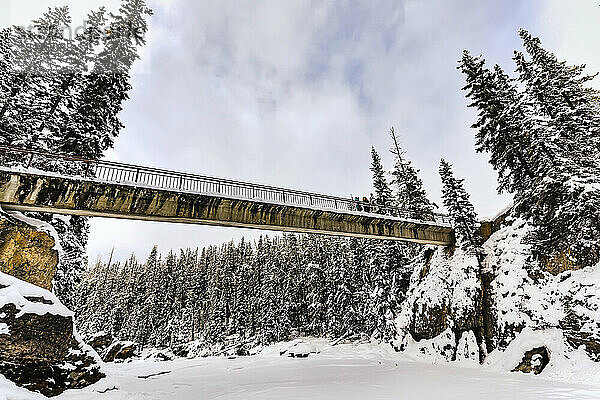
(27, 253)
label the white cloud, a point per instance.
(575, 32)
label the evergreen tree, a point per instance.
(411, 198)
(7, 135)
(563, 200)
(542, 134)
(558, 91)
(383, 194)
(73, 234)
(37, 56)
(501, 128)
(456, 200)
(95, 123)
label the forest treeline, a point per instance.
(268, 290)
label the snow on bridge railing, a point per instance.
(137, 175)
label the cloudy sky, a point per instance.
(295, 93)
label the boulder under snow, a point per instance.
(39, 348)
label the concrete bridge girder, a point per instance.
(25, 191)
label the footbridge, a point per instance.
(99, 188)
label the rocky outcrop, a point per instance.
(119, 351)
(111, 350)
(534, 361)
(39, 349)
(512, 292)
(27, 252)
(443, 308)
(101, 341)
(558, 264)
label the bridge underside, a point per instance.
(22, 191)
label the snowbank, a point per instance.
(10, 391)
(565, 363)
(345, 371)
(28, 298)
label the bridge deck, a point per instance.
(118, 190)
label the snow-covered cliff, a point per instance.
(498, 310)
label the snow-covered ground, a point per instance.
(344, 371)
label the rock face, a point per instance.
(443, 309)
(119, 351)
(39, 349)
(452, 299)
(26, 252)
(534, 360)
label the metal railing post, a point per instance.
(137, 175)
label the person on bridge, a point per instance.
(366, 204)
(357, 203)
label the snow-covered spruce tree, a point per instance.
(500, 125)
(411, 197)
(7, 134)
(542, 136)
(383, 193)
(384, 272)
(385, 279)
(93, 101)
(37, 56)
(560, 93)
(63, 94)
(95, 123)
(73, 235)
(342, 306)
(456, 200)
(57, 107)
(563, 201)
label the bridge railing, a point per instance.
(137, 175)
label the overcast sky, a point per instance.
(294, 93)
